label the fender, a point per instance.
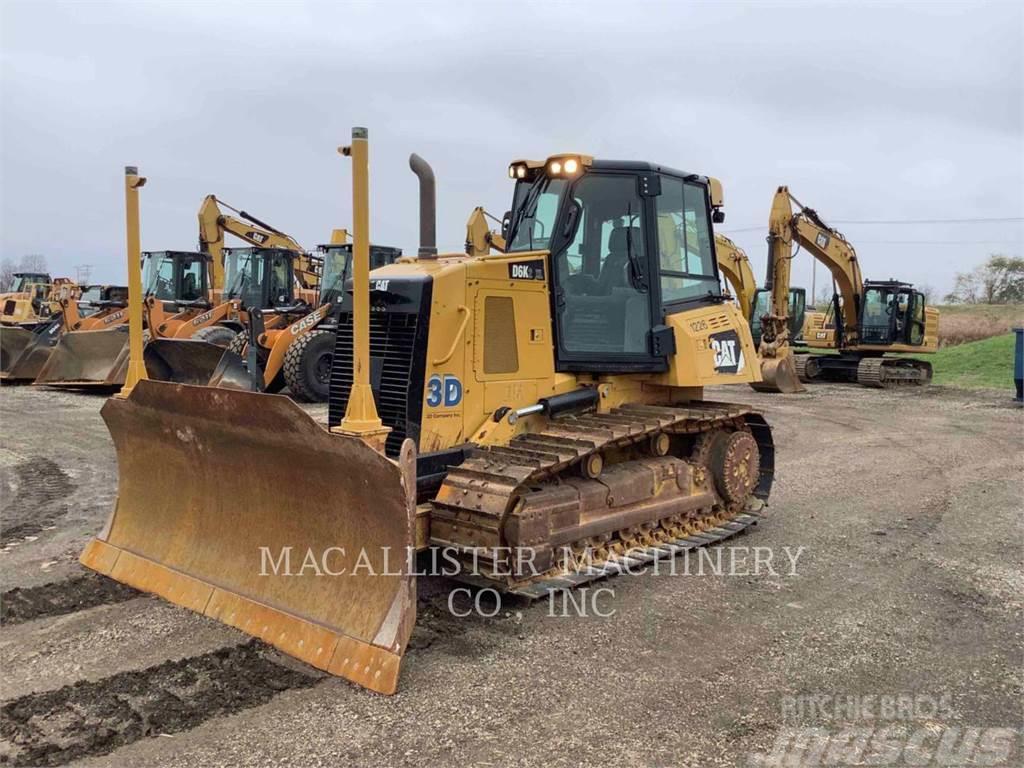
(282, 340)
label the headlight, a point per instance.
(520, 171)
(571, 165)
(554, 168)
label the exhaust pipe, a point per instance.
(428, 206)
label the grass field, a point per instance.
(961, 323)
(977, 364)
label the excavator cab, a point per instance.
(259, 277)
(797, 312)
(892, 313)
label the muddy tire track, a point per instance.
(95, 718)
(35, 495)
(61, 597)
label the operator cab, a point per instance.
(797, 312)
(337, 268)
(261, 278)
(630, 244)
(176, 276)
(892, 313)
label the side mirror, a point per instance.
(506, 222)
(717, 216)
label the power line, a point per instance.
(889, 222)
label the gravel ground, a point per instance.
(907, 506)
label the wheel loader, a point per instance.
(514, 410)
(188, 348)
(293, 343)
(867, 319)
(72, 308)
(96, 353)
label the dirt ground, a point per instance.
(907, 504)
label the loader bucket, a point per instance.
(779, 375)
(24, 351)
(182, 361)
(239, 506)
(13, 340)
(88, 359)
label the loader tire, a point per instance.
(307, 366)
(215, 334)
(237, 344)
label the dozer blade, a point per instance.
(88, 359)
(779, 375)
(24, 351)
(239, 506)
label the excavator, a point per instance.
(72, 308)
(537, 415)
(869, 319)
(734, 265)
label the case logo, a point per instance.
(728, 352)
(444, 390)
(526, 270)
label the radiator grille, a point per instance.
(392, 351)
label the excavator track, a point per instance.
(806, 368)
(882, 372)
(608, 490)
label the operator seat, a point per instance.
(614, 273)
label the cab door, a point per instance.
(601, 296)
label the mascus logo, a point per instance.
(111, 318)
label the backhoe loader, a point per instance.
(870, 318)
(514, 410)
(72, 308)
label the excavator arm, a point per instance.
(825, 244)
(734, 264)
(213, 223)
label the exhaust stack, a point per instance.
(428, 206)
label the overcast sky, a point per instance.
(867, 112)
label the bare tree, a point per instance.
(7, 270)
(33, 262)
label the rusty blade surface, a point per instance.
(88, 358)
(240, 506)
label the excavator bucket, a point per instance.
(779, 375)
(23, 352)
(88, 359)
(239, 506)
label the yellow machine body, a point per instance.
(502, 435)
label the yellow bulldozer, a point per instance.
(866, 321)
(520, 411)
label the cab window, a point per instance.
(604, 303)
(685, 249)
(192, 279)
